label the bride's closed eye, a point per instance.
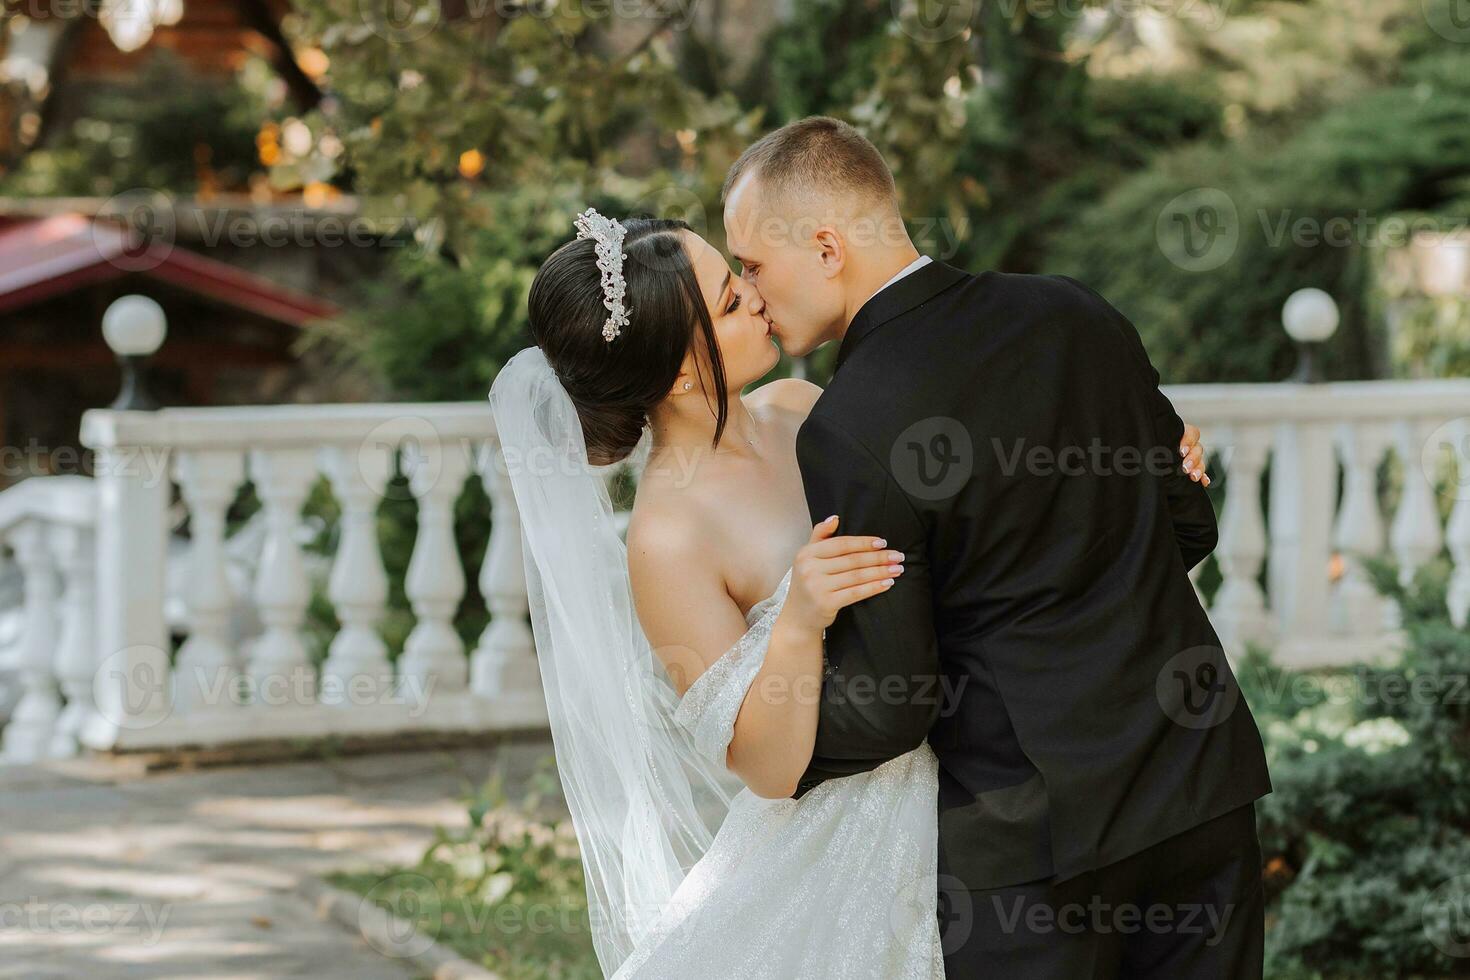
(734, 305)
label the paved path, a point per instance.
(106, 871)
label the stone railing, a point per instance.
(1303, 508)
(1307, 533)
(48, 523)
(211, 688)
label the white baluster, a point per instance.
(433, 652)
(279, 667)
(207, 672)
(1457, 534)
(357, 661)
(1239, 612)
(132, 688)
(76, 651)
(1415, 535)
(27, 736)
(504, 662)
(1302, 506)
(1357, 608)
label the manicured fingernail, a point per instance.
(887, 582)
(895, 569)
(879, 543)
(830, 519)
(1184, 450)
(894, 556)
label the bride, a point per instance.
(682, 673)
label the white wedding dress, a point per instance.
(838, 884)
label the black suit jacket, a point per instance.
(1008, 434)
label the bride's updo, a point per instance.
(615, 384)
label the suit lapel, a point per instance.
(910, 291)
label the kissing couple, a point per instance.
(851, 699)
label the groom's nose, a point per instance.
(757, 302)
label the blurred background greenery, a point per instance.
(1024, 137)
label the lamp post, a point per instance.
(1310, 317)
(134, 327)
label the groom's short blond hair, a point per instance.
(816, 155)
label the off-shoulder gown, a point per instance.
(839, 884)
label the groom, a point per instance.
(1097, 767)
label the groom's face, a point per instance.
(803, 303)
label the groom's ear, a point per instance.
(831, 250)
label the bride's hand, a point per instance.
(832, 573)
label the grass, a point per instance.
(507, 892)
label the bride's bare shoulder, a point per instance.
(666, 529)
(787, 395)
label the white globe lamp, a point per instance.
(134, 327)
(1310, 317)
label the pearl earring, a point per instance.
(688, 385)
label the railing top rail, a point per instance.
(1336, 401)
(54, 499)
(246, 427)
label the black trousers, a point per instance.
(1188, 908)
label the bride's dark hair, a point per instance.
(614, 385)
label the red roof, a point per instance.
(43, 257)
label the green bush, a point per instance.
(1393, 149)
(1369, 823)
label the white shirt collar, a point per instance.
(913, 266)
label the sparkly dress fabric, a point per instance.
(838, 884)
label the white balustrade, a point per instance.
(224, 688)
(47, 523)
(278, 664)
(435, 582)
(99, 668)
(359, 584)
(208, 667)
(1239, 612)
(1357, 608)
(504, 662)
